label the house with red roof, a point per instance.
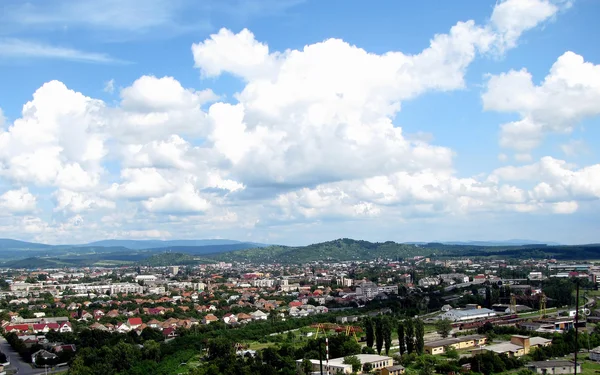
(134, 323)
(209, 319)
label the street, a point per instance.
(18, 364)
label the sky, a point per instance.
(300, 121)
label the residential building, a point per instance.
(429, 281)
(518, 346)
(367, 290)
(553, 367)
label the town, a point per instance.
(417, 315)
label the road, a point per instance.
(23, 368)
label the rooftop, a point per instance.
(548, 364)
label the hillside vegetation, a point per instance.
(348, 250)
(338, 250)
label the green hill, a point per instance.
(338, 250)
(347, 250)
(172, 259)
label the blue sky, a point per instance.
(291, 121)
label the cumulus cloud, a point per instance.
(311, 136)
(512, 17)
(58, 140)
(76, 202)
(567, 95)
(185, 200)
(18, 201)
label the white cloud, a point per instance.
(109, 86)
(574, 147)
(2, 119)
(512, 17)
(568, 94)
(155, 108)
(239, 54)
(140, 184)
(18, 201)
(185, 200)
(523, 157)
(75, 202)
(310, 137)
(565, 207)
(57, 141)
(26, 49)
(556, 179)
(132, 16)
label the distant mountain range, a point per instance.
(514, 242)
(20, 254)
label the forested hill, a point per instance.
(347, 249)
(338, 250)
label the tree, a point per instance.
(488, 297)
(419, 336)
(151, 350)
(307, 366)
(410, 336)
(451, 352)
(354, 361)
(427, 369)
(387, 335)
(443, 327)
(369, 331)
(401, 338)
(220, 348)
(379, 334)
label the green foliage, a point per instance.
(379, 334)
(370, 332)
(354, 361)
(401, 339)
(170, 259)
(451, 352)
(338, 250)
(419, 336)
(410, 335)
(443, 327)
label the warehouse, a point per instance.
(457, 315)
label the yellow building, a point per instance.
(518, 346)
(458, 343)
(393, 370)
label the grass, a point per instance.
(590, 368)
(536, 313)
(255, 345)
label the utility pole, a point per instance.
(320, 356)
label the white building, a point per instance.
(367, 289)
(535, 275)
(429, 281)
(146, 278)
(459, 315)
(337, 365)
(595, 354)
(263, 283)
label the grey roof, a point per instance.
(548, 364)
(450, 341)
(395, 368)
(471, 312)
